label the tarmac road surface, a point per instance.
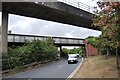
(58, 69)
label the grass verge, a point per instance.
(98, 67)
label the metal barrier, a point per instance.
(58, 40)
(78, 4)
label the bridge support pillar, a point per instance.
(4, 30)
(86, 49)
(60, 50)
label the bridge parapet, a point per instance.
(74, 3)
(17, 38)
(79, 5)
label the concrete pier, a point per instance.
(4, 30)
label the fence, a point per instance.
(78, 4)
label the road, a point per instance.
(59, 69)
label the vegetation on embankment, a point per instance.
(79, 50)
(35, 51)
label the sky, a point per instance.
(25, 25)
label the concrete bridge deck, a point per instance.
(53, 11)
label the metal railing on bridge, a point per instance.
(79, 5)
(74, 3)
(58, 40)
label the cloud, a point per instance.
(25, 25)
(68, 35)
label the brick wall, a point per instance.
(90, 50)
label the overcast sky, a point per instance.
(25, 25)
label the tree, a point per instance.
(35, 51)
(99, 43)
(9, 32)
(92, 40)
(107, 19)
(65, 52)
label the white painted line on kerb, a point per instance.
(73, 73)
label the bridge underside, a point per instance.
(55, 11)
(10, 44)
(69, 45)
(52, 11)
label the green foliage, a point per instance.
(73, 51)
(101, 44)
(79, 50)
(107, 19)
(65, 52)
(32, 52)
(18, 68)
(10, 32)
(93, 41)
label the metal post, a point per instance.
(78, 4)
(60, 40)
(24, 39)
(0, 45)
(89, 8)
(67, 41)
(13, 38)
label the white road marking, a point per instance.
(73, 73)
(60, 66)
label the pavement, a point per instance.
(59, 69)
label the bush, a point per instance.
(65, 52)
(32, 52)
(79, 50)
